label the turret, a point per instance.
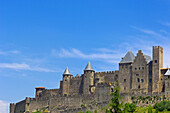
(66, 81)
(88, 79)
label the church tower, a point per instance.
(66, 81)
(157, 64)
(88, 79)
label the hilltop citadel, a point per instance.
(137, 75)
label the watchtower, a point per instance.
(88, 79)
(157, 64)
(66, 81)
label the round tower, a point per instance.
(88, 79)
(66, 81)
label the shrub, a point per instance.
(82, 105)
(129, 107)
(88, 111)
(150, 109)
(164, 105)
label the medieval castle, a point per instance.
(137, 75)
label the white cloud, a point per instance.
(23, 66)
(3, 107)
(9, 52)
(151, 32)
(2, 53)
(75, 53)
(15, 52)
(106, 50)
(166, 23)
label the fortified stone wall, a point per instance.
(75, 84)
(50, 92)
(20, 107)
(38, 104)
(102, 92)
(68, 101)
(109, 76)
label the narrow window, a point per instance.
(142, 80)
(124, 88)
(124, 80)
(155, 61)
(138, 80)
(135, 68)
(150, 80)
(139, 68)
(143, 68)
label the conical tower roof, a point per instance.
(66, 72)
(167, 72)
(89, 67)
(128, 58)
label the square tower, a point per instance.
(157, 64)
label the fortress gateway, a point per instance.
(137, 75)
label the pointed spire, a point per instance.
(167, 72)
(128, 58)
(67, 72)
(89, 67)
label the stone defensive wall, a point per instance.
(55, 102)
(20, 106)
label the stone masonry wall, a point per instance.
(139, 73)
(20, 107)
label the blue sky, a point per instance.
(40, 38)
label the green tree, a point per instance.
(115, 106)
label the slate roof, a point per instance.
(128, 58)
(148, 58)
(67, 72)
(89, 67)
(167, 72)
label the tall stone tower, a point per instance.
(125, 72)
(157, 64)
(88, 79)
(66, 81)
